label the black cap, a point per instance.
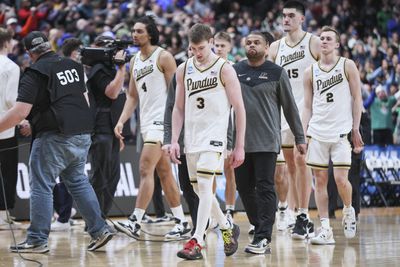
(34, 39)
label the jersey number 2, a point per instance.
(329, 97)
(200, 101)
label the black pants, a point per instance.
(62, 202)
(188, 193)
(255, 184)
(382, 137)
(157, 197)
(105, 172)
(354, 178)
(9, 170)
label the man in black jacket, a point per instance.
(52, 95)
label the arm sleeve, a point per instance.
(168, 112)
(229, 137)
(290, 108)
(368, 102)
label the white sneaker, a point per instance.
(282, 220)
(59, 226)
(349, 222)
(5, 224)
(180, 229)
(291, 219)
(229, 218)
(324, 237)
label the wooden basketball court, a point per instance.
(377, 244)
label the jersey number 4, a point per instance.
(144, 87)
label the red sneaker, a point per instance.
(191, 250)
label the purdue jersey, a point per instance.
(152, 90)
(295, 59)
(206, 108)
(332, 103)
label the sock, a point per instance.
(325, 223)
(282, 204)
(204, 191)
(303, 211)
(178, 213)
(218, 215)
(229, 207)
(139, 213)
(347, 207)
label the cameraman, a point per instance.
(105, 83)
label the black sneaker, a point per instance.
(259, 247)
(303, 228)
(100, 241)
(24, 247)
(230, 237)
(131, 229)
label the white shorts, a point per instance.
(153, 137)
(319, 153)
(287, 138)
(204, 164)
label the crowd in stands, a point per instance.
(370, 34)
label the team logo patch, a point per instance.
(213, 73)
(190, 70)
(216, 143)
(302, 47)
(263, 75)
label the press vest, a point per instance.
(66, 86)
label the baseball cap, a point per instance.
(11, 21)
(34, 39)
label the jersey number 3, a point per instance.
(200, 103)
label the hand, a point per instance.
(25, 128)
(119, 58)
(302, 148)
(175, 153)
(121, 145)
(357, 140)
(237, 157)
(166, 148)
(118, 130)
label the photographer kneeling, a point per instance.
(106, 83)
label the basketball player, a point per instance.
(332, 108)
(294, 52)
(152, 69)
(222, 47)
(206, 89)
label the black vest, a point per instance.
(66, 86)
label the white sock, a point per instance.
(347, 208)
(282, 204)
(325, 223)
(303, 211)
(203, 188)
(178, 213)
(218, 215)
(230, 207)
(139, 213)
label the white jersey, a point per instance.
(152, 90)
(295, 59)
(332, 103)
(206, 108)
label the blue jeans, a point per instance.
(52, 155)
